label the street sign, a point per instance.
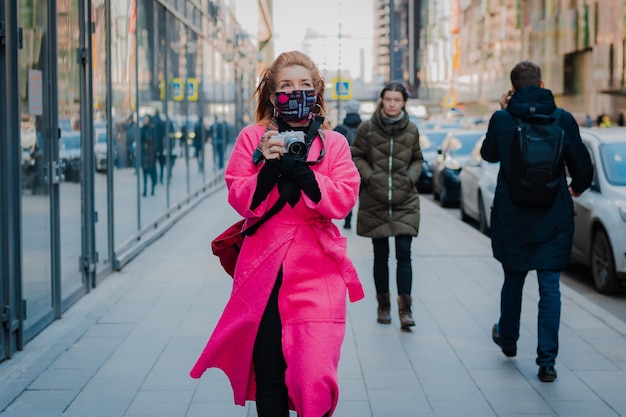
(192, 89)
(449, 102)
(178, 93)
(342, 89)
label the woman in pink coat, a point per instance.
(280, 335)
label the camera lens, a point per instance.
(297, 149)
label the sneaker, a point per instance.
(547, 373)
(509, 351)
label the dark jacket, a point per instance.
(148, 148)
(349, 126)
(525, 239)
(389, 159)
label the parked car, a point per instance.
(430, 142)
(100, 150)
(600, 221)
(478, 180)
(455, 150)
(69, 155)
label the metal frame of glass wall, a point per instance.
(138, 86)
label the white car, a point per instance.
(478, 180)
(600, 221)
(100, 150)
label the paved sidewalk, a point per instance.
(125, 349)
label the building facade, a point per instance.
(104, 139)
(397, 27)
(470, 46)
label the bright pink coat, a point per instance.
(316, 275)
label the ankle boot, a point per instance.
(384, 308)
(404, 309)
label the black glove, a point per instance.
(287, 164)
(305, 181)
(288, 190)
(268, 175)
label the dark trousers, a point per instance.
(269, 362)
(162, 159)
(548, 319)
(218, 155)
(152, 173)
(348, 218)
(404, 270)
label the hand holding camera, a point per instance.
(291, 143)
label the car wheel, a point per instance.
(482, 216)
(603, 264)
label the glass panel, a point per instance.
(197, 134)
(125, 128)
(68, 84)
(177, 108)
(151, 128)
(33, 74)
(102, 141)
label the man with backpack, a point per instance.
(348, 128)
(532, 218)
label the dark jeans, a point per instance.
(269, 362)
(348, 218)
(152, 173)
(162, 159)
(549, 316)
(218, 155)
(404, 270)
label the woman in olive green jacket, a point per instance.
(387, 154)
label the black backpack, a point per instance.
(537, 160)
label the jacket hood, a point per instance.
(531, 97)
(352, 120)
(392, 129)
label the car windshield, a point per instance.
(614, 162)
(70, 142)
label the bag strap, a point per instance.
(278, 206)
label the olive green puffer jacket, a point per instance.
(389, 159)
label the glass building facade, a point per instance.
(107, 136)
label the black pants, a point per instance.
(404, 270)
(149, 172)
(269, 362)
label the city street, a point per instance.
(126, 349)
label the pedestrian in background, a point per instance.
(348, 128)
(525, 239)
(160, 138)
(147, 140)
(605, 121)
(220, 133)
(198, 141)
(387, 152)
(279, 337)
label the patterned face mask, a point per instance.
(296, 105)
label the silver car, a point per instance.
(600, 221)
(478, 186)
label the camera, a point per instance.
(294, 144)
